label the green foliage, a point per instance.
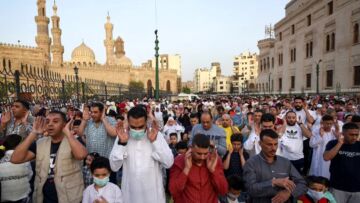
(186, 90)
(136, 86)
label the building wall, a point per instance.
(222, 84)
(295, 31)
(245, 69)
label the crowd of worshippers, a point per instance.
(218, 149)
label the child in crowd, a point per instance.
(235, 157)
(173, 142)
(181, 147)
(88, 179)
(236, 187)
(317, 191)
(102, 190)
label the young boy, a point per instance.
(236, 187)
(173, 142)
(317, 191)
(181, 147)
(88, 179)
(101, 190)
(235, 158)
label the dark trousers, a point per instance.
(113, 177)
(307, 150)
(298, 164)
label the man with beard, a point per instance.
(291, 141)
(272, 178)
(303, 115)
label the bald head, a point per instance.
(206, 120)
(226, 120)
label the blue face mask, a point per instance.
(315, 194)
(101, 182)
(137, 134)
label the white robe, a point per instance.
(142, 163)
(320, 167)
(253, 142)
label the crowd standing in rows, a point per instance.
(217, 149)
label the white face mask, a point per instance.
(315, 194)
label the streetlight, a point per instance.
(317, 76)
(338, 89)
(76, 70)
(156, 66)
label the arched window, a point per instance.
(356, 33)
(261, 66)
(327, 42)
(333, 41)
(168, 86)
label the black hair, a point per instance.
(327, 117)
(268, 133)
(220, 108)
(24, 103)
(100, 162)
(355, 118)
(207, 113)
(62, 114)
(112, 113)
(237, 137)
(267, 118)
(77, 122)
(236, 182)
(193, 115)
(350, 126)
(347, 115)
(181, 145)
(41, 112)
(249, 113)
(291, 111)
(298, 97)
(201, 141)
(10, 143)
(259, 111)
(99, 105)
(137, 112)
(120, 117)
(317, 179)
(173, 134)
(92, 154)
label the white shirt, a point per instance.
(110, 192)
(253, 141)
(320, 167)
(291, 143)
(176, 128)
(300, 114)
(142, 163)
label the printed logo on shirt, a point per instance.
(51, 173)
(291, 134)
(349, 154)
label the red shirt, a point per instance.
(307, 199)
(199, 186)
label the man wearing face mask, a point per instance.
(142, 153)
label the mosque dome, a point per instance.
(124, 61)
(83, 54)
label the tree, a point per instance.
(136, 87)
(186, 90)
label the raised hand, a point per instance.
(152, 133)
(6, 117)
(122, 132)
(101, 200)
(66, 130)
(188, 159)
(230, 148)
(24, 120)
(86, 114)
(211, 161)
(340, 138)
(39, 125)
(103, 116)
(322, 131)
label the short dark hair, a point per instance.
(259, 111)
(99, 105)
(100, 162)
(327, 117)
(112, 113)
(24, 103)
(173, 134)
(201, 141)
(355, 118)
(236, 182)
(267, 118)
(317, 179)
(350, 126)
(77, 122)
(237, 137)
(193, 115)
(10, 143)
(181, 145)
(268, 133)
(298, 97)
(137, 112)
(62, 114)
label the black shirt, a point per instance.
(235, 165)
(344, 167)
(49, 189)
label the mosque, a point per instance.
(118, 68)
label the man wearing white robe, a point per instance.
(142, 153)
(321, 136)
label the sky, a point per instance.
(201, 31)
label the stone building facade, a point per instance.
(118, 68)
(245, 72)
(313, 32)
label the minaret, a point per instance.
(109, 42)
(57, 49)
(42, 38)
